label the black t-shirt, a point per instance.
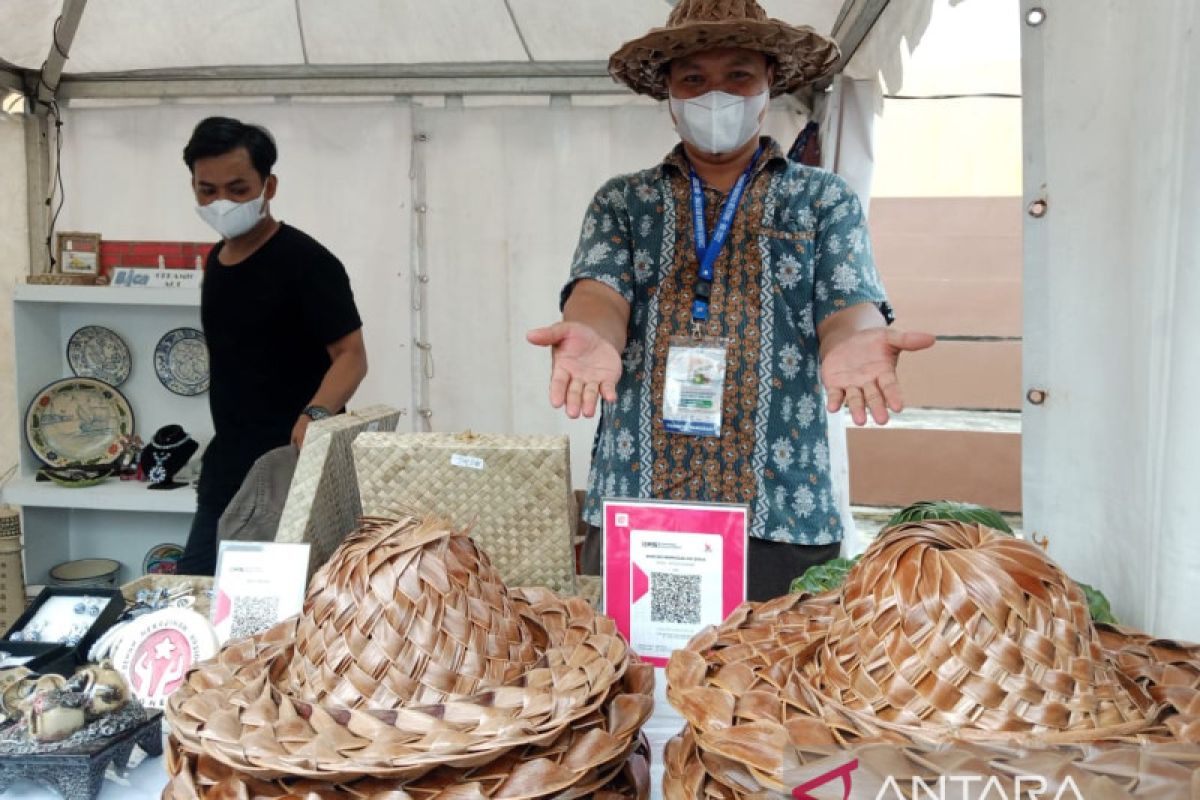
(268, 321)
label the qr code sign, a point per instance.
(675, 598)
(252, 615)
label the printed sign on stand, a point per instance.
(671, 569)
(257, 585)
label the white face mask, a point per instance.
(719, 122)
(232, 219)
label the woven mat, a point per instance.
(513, 493)
(323, 503)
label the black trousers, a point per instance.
(200, 553)
(770, 566)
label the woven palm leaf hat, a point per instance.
(414, 672)
(800, 54)
(951, 649)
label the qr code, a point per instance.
(253, 615)
(675, 598)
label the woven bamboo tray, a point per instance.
(60, 279)
(199, 584)
(950, 649)
(323, 503)
(513, 493)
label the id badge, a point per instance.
(695, 386)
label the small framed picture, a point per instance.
(78, 253)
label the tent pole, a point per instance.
(853, 25)
(37, 137)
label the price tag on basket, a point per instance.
(671, 569)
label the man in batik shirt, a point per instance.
(725, 257)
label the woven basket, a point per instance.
(199, 586)
(950, 649)
(12, 572)
(60, 279)
(512, 492)
(414, 672)
(323, 505)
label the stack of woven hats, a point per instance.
(951, 650)
(414, 672)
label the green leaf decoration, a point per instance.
(1098, 604)
(948, 509)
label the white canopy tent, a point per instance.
(403, 125)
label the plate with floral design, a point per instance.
(94, 351)
(78, 421)
(181, 361)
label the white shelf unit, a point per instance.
(120, 520)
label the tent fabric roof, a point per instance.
(126, 35)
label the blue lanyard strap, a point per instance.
(708, 251)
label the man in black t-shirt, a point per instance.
(284, 336)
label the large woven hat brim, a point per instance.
(230, 710)
(801, 55)
(410, 654)
(758, 692)
(603, 755)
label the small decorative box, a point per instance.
(71, 617)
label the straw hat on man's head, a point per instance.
(799, 54)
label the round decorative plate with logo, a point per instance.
(78, 422)
(181, 361)
(94, 351)
(156, 651)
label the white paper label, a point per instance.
(470, 462)
(158, 278)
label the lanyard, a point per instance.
(707, 251)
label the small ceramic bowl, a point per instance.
(86, 572)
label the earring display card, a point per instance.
(74, 618)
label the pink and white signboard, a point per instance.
(671, 569)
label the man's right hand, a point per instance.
(584, 366)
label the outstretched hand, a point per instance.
(584, 366)
(860, 372)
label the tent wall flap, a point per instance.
(1112, 277)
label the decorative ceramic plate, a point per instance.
(162, 559)
(78, 421)
(97, 352)
(181, 361)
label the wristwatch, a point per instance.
(317, 412)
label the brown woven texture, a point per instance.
(518, 506)
(949, 647)
(800, 54)
(323, 504)
(413, 665)
(60, 279)
(12, 571)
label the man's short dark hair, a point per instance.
(216, 136)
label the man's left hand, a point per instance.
(860, 372)
(298, 431)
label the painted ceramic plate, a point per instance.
(162, 559)
(181, 361)
(97, 352)
(78, 421)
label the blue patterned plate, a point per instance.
(78, 421)
(181, 361)
(96, 352)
